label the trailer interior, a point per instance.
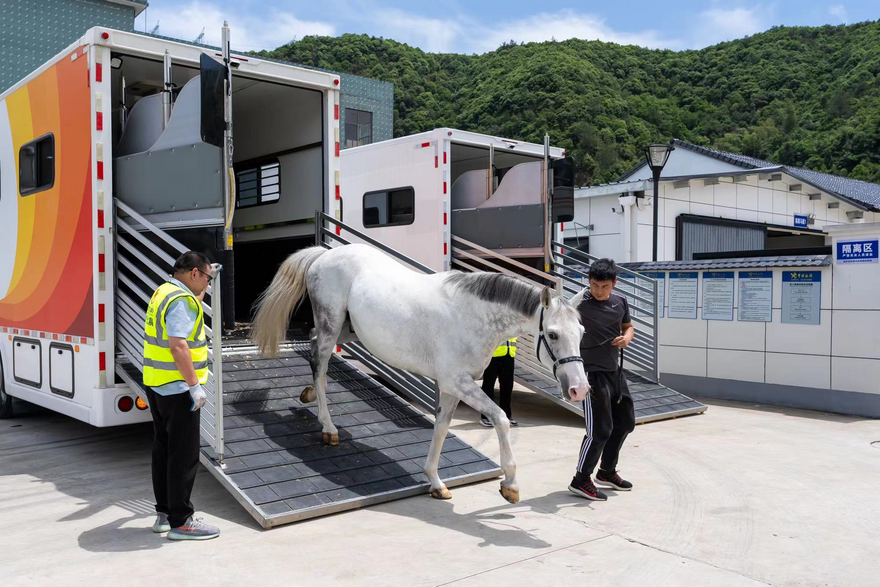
(169, 174)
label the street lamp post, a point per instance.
(657, 155)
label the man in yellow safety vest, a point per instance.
(500, 368)
(175, 367)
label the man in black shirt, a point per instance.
(608, 412)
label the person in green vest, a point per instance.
(500, 368)
(175, 368)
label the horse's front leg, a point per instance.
(465, 388)
(441, 427)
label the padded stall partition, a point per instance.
(170, 176)
(511, 220)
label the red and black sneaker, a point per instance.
(612, 480)
(586, 489)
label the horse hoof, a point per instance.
(441, 493)
(511, 495)
(330, 439)
(308, 395)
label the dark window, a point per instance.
(36, 165)
(389, 207)
(258, 184)
(581, 243)
(358, 127)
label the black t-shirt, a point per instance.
(602, 320)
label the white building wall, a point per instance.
(842, 353)
(749, 199)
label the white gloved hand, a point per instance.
(215, 269)
(198, 395)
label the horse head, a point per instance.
(558, 343)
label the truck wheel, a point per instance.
(5, 398)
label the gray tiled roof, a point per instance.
(854, 190)
(733, 263)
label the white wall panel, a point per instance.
(799, 370)
(683, 361)
(683, 332)
(736, 365)
(736, 335)
(725, 194)
(855, 374)
(799, 338)
(746, 197)
(856, 333)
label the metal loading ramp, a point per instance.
(275, 464)
(651, 401)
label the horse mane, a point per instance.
(499, 288)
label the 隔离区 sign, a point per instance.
(862, 251)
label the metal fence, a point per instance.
(144, 258)
(572, 267)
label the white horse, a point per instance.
(442, 326)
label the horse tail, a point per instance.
(275, 305)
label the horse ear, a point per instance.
(546, 297)
(577, 299)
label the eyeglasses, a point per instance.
(208, 275)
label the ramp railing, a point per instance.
(144, 258)
(416, 388)
(471, 257)
(572, 267)
(568, 275)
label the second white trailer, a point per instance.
(415, 193)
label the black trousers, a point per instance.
(609, 418)
(500, 368)
(175, 454)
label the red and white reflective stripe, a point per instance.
(99, 72)
(336, 138)
(47, 335)
(336, 183)
(102, 369)
(100, 208)
(102, 276)
(101, 321)
(335, 105)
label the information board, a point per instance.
(755, 296)
(801, 220)
(683, 286)
(801, 297)
(861, 251)
(718, 295)
(660, 276)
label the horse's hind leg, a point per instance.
(441, 427)
(328, 324)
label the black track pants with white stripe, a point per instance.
(609, 418)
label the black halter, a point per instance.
(542, 340)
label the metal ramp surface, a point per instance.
(275, 464)
(651, 401)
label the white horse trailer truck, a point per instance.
(120, 146)
(416, 193)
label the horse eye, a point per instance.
(552, 336)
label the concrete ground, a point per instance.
(742, 495)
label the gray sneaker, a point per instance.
(194, 529)
(161, 524)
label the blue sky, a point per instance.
(479, 26)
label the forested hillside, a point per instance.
(795, 95)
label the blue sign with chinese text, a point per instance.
(800, 220)
(862, 251)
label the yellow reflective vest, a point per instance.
(159, 367)
(501, 351)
